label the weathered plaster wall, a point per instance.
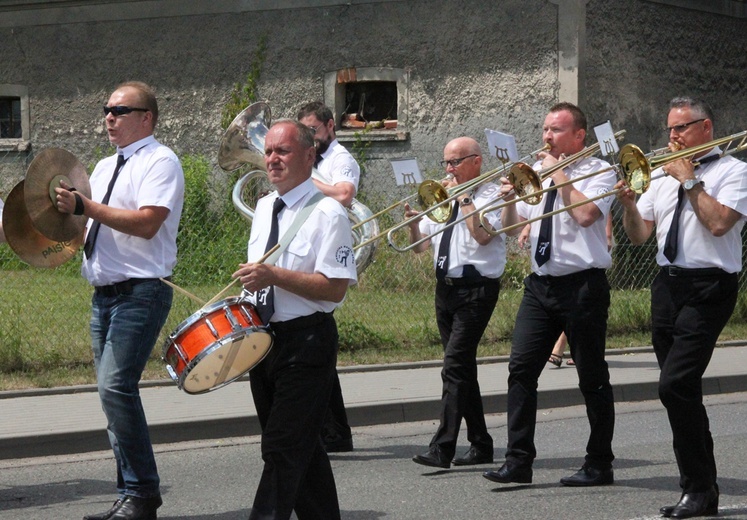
(473, 64)
(641, 54)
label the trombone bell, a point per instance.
(525, 182)
(635, 168)
(432, 193)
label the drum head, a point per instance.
(226, 361)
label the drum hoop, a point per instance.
(215, 345)
(202, 313)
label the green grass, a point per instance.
(44, 338)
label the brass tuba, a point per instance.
(244, 143)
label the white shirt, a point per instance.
(574, 248)
(725, 180)
(152, 176)
(338, 165)
(323, 244)
(490, 259)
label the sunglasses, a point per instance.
(121, 110)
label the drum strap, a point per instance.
(287, 237)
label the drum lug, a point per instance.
(235, 325)
(212, 328)
(248, 316)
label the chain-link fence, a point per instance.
(47, 310)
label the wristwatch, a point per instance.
(466, 201)
(690, 184)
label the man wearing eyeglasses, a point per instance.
(698, 210)
(134, 211)
(338, 176)
(469, 263)
(568, 292)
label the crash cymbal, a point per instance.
(44, 175)
(25, 240)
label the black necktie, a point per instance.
(93, 232)
(442, 265)
(670, 245)
(318, 160)
(542, 253)
(266, 306)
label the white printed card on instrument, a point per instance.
(502, 146)
(406, 171)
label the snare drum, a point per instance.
(216, 345)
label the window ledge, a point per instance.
(14, 145)
(349, 136)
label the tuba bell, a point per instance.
(244, 142)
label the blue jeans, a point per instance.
(124, 329)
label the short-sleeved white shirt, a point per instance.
(152, 176)
(338, 165)
(725, 180)
(574, 247)
(323, 244)
(490, 259)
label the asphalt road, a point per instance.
(216, 480)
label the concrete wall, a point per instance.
(472, 65)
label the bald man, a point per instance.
(469, 263)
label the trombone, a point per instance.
(527, 184)
(435, 200)
(635, 168)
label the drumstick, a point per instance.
(233, 282)
(184, 292)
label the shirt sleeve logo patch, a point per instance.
(343, 255)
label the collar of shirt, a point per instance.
(329, 149)
(129, 150)
(297, 194)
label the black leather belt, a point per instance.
(304, 322)
(672, 270)
(469, 282)
(123, 288)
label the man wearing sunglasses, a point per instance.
(134, 211)
(698, 210)
(567, 291)
(469, 263)
(338, 176)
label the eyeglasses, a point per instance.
(317, 127)
(681, 128)
(121, 110)
(456, 162)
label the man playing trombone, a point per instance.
(566, 292)
(469, 263)
(699, 211)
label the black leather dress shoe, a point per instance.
(666, 511)
(588, 476)
(510, 473)
(474, 456)
(696, 504)
(433, 457)
(106, 515)
(136, 508)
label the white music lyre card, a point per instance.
(606, 139)
(501, 146)
(406, 171)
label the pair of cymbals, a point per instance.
(37, 232)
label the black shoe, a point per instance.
(696, 504)
(666, 511)
(510, 473)
(433, 457)
(106, 515)
(474, 456)
(588, 476)
(338, 445)
(136, 508)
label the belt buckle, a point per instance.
(672, 270)
(448, 281)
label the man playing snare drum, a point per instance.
(292, 385)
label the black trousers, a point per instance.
(576, 304)
(688, 313)
(291, 389)
(462, 313)
(336, 426)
